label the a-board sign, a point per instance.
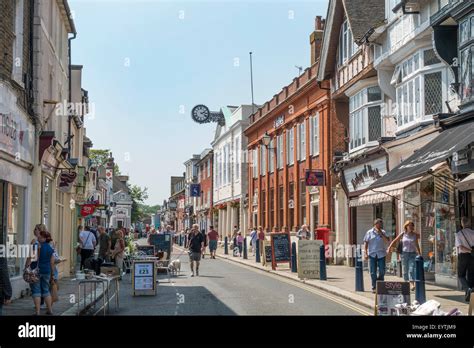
(281, 248)
(148, 250)
(161, 242)
(389, 294)
(267, 253)
(308, 259)
(143, 278)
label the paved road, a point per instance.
(226, 288)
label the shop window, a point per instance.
(12, 218)
(303, 201)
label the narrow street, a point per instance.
(224, 288)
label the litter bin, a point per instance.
(322, 233)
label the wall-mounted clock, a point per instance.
(201, 113)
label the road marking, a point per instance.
(308, 288)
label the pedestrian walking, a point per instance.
(213, 237)
(465, 247)
(240, 242)
(195, 246)
(410, 248)
(253, 240)
(261, 238)
(119, 251)
(375, 251)
(105, 243)
(87, 245)
(203, 232)
(46, 263)
(303, 233)
(5, 284)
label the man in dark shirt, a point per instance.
(104, 245)
(5, 285)
(195, 245)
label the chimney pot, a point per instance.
(318, 23)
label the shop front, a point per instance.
(431, 201)
(16, 165)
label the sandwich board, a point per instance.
(389, 294)
(144, 278)
(281, 248)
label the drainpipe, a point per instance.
(69, 116)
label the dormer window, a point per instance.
(347, 46)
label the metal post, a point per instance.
(245, 249)
(257, 251)
(359, 274)
(226, 246)
(322, 263)
(420, 294)
(294, 267)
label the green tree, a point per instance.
(100, 158)
(139, 196)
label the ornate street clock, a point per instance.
(201, 113)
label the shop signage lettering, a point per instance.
(308, 259)
(8, 126)
(362, 176)
(280, 120)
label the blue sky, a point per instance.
(146, 61)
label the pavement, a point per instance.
(341, 283)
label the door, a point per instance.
(119, 223)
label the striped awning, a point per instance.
(381, 194)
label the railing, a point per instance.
(103, 290)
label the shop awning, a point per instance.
(433, 153)
(466, 184)
(381, 194)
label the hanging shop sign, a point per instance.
(87, 209)
(195, 190)
(66, 180)
(16, 130)
(315, 178)
(362, 176)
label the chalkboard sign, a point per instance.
(268, 253)
(281, 248)
(389, 294)
(148, 250)
(161, 242)
(143, 278)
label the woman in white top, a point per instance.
(410, 249)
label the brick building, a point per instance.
(303, 135)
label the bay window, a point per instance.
(466, 49)
(290, 146)
(365, 119)
(421, 87)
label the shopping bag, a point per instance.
(54, 291)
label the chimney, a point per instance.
(316, 38)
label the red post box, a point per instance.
(322, 233)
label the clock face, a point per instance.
(200, 113)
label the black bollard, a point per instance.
(359, 276)
(420, 294)
(245, 249)
(322, 263)
(257, 251)
(294, 267)
(226, 246)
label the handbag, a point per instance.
(31, 275)
(400, 245)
